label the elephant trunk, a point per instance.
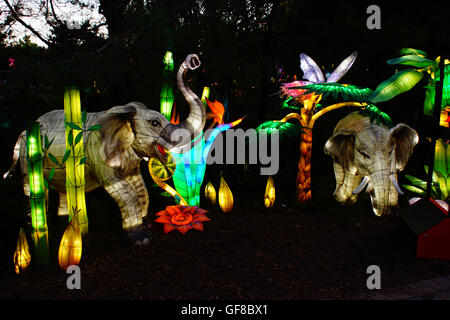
(383, 192)
(177, 137)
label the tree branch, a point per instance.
(16, 16)
(54, 13)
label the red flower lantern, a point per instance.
(182, 218)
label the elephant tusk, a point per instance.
(146, 158)
(395, 183)
(362, 185)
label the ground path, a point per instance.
(431, 289)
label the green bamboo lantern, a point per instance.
(205, 95)
(431, 90)
(75, 182)
(167, 97)
(37, 194)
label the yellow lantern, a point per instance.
(269, 197)
(75, 180)
(225, 196)
(210, 193)
(69, 252)
(22, 255)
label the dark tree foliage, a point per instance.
(247, 48)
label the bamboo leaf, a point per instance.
(434, 179)
(412, 60)
(70, 138)
(95, 127)
(166, 194)
(46, 184)
(50, 143)
(53, 158)
(447, 152)
(442, 184)
(448, 182)
(51, 174)
(83, 160)
(73, 126)
(413, 189)
(66, 156)
(46, 142)
(78, 137)
(416, 182)
(83, 116)
(400, 82)
(439, 157)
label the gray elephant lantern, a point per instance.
(369, 154)
(128, 134)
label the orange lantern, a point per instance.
(70, 248)
(22, 255)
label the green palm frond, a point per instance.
(285, 129)
(291, 103)
(412, 51)
(346, 92)
(413, 60)
(400, 82)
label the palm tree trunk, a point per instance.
(304, 167)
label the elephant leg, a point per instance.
(141, 190)
(346, 183)
(123, 192)
(62, 207)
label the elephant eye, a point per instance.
(155, 123)
(364, 154)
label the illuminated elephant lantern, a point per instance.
(128, 134)
(369, 154)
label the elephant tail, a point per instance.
(15, 156)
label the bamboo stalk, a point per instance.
(75, 182)
(167, 97)
(37, 194)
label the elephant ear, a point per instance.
(404, 139)
(341, 148)
(116, 134)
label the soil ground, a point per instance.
(277, 254)
(319, 250)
